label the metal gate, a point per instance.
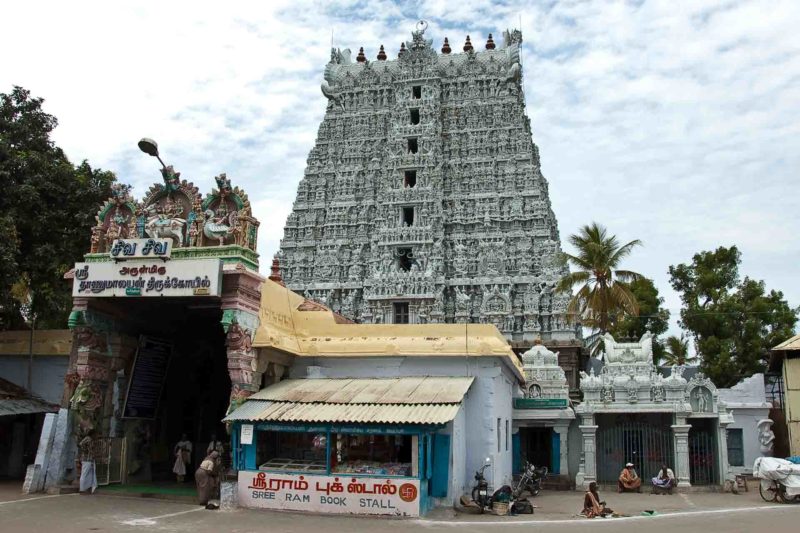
(702, 454)
(110, 460)
(644, 440)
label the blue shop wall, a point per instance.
(481, 429)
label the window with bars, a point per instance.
(735, 447)
(401, 313)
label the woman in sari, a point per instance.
(207, 478)
(592, 506)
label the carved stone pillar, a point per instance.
(562, 429)
(92, 367)
(589, 434)
(680, 432)
(723, 467)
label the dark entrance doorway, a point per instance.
(196, 389)
(536, 444)
(644, 440)
(703, 452)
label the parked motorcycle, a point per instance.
(531, 480)
(480, 492)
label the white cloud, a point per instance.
(674, 123)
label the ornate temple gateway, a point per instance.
(164, 307)
(423, 201)
(632, 413)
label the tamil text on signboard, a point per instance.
(329, 494)
(141, 249)
(147, 379)
(192, 277)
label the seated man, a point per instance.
(629, 480)
(665, 479)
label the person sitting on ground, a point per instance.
(629, 480)
(665, 478)
(592, 506)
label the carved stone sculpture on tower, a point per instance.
(425, 175)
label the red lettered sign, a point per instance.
(329, 494)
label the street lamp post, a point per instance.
(150, 147)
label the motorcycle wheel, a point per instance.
(477, 499)
(535, 490)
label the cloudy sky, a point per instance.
(677, 123)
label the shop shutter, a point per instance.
(441, 465)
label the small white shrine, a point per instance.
(543, 415)
(630, 412)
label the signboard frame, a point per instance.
(149, 278)
(340, 493)
(142, 340)
(540, 403)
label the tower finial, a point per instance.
(402, 49)
(382, 54)
(361, 58)
(276, 271)
(446, 47)
(490, 43)
(468, 45)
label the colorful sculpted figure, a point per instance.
(161, 225)
(172, 179)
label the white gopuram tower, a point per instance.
(423, 200)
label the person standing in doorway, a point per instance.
(183, 457)
(215, 445)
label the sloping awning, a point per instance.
(419, 400)
(15, 400)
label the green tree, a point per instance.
(733, 322)
(652, 316)
(677, 351)
(47, 210)
(604, 295)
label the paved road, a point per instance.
(78, 513)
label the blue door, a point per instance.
(441, 465)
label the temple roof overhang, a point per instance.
(294, 325)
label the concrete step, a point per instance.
(557, 483)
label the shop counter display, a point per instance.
(294, 465)
(374, 468)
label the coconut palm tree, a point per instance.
(677, 351)
(603, 295)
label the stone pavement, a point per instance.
(557, 511)
(564, 505)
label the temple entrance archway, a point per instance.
(703, 452)
(196, 385)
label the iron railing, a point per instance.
(645, 443)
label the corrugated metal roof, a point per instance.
(410, 390)
(413, 400)
(790, 344)
(266, 411)
(15, 400)
(25, 407)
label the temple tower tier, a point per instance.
(423, 201)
